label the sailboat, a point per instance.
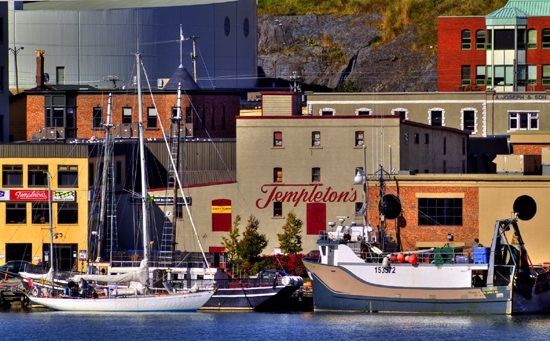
(139, 299)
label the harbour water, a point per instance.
(49, 325)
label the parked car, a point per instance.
(13, 267)
(272, 273)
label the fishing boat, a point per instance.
(135, 295)
(355, 273)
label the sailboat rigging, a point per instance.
(140, 299)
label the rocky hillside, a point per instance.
(343, 53)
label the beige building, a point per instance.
(480, 113)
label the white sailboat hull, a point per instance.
(145, 303)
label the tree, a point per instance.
(290, 240)
(231, 243)
(242, 251)
(253, 243)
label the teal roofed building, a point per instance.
(504, 51)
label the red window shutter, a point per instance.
(221, 215)
(316, 218)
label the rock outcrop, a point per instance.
(327, 52)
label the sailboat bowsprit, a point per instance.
(138, 297)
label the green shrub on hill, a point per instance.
(398, 14)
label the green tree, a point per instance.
(290, 240)
(231, 243)
(253, 242)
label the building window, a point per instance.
(546, 38)
(489, 76)
(60, 75)
(521, 75)
(363, 112)
(176, 112)
(466, 75)
(327, 112)
(463, 166)
(480, 75)
(480, 40)
(444, 166)
(523, 120)
(316, 139)
(12, 176)
(316, 174)
(426, 138)
(521, 39)
(16, 213)
(226, 26)
(531, 75)
(189, 114)
(37, 175)
(440, 212)
(416, 138)
(67, 213)
(278, 139)
(532, 39)
(466, 40)
(406, 139)
(359, 138)
(359, 209)
(151, 118)
(504, 39)
(504, 75)
(97, 120)
(444, 146)
(546, 75)
(489, 44)
(277, 174)
(469, 122)
(403, 114)
(40, 213)
(126, 115)
(67, 176)
(436, 118)
(277, 209)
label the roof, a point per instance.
(508, 12)
(533, 8)
(181, 76)
(73, 5)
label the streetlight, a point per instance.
(15, 52)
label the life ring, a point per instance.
(364, 253)
(35, 292)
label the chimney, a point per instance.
(39, 68)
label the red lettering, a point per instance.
(278, 194)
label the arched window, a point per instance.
(532, 39)
(466, 40)
(546, 38)
(480, 40)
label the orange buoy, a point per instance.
(393, 258)
(400, 258)
(413, 259)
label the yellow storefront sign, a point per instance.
(221, 209)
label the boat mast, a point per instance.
(105, 174)
(142, 163)
(51, 270)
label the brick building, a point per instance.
(505, 50)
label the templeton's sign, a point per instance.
(36, 195)
(302, 193)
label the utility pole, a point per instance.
(15, 52)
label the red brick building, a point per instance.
(507, 50)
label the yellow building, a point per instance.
(25, 204)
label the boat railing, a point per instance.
(182, 284)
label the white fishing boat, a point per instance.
(129, 292)
(355, 273)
